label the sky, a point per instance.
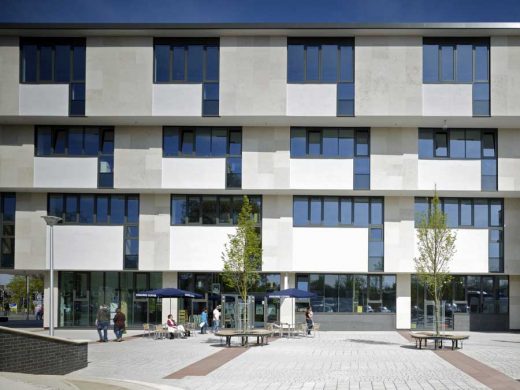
(258, 11)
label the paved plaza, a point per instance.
(332, 360)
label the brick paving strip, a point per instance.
(486, 375)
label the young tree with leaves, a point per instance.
(436, 245)
(242, 255)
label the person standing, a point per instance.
(204, 321)
(308, 319)
(216, 319)
(119, 325)
(102, 321)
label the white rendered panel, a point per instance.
(330, 249)
(93, 248)
(44, 99)
(451, 175)
(196, 173)
(65, 172)
(311, 100)
(322, 173)
(447, 100)
(177, 100)
(471, 254)
(403, 302)
(198, 248)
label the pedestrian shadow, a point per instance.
(372, 342)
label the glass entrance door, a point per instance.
(80, 300)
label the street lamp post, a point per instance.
(51, 221)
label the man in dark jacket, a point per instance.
(119, 324)
(102, 322)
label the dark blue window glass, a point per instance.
(29, 63)
(235, 143)
(345, 104)
(43, 141)
(329, 63)
(489, 183)
(219, 142)
(466, 212)
(312, 63)
(464, 63)
(212, 65)
(91, 141)
(345, 108)
(179, 206)
(187, 140)
(441, 144)
(451, 209)
(178, 72)
(314, 143)
(330, 211)
(210, 108)
(425, 143)
(330, 142)
(295, 63)
(346, 63)
(86, 209)
(62, 63)
(77, 99)
(210, 98)
(346, 91)
(234, 172)
(101, 209)
(481, 63)
(481, 99)
(194, 209)
(361, 212)
(203, 141)
(421, 210)
(298, 142)
(361, 182)
(376, 212)
(362, 143)
(132, 214)
(75, 141)
(495, 213)
(430, 63)
(488, 145)
(489, 167)
(107, 142)
(362, 166)
(376, 234)
(131, 249)
(481, 210)
(79, 63)
(59, 141)
(447, 59)
(346, 211)
(56, 205)
(346, 143)
(457, 144)
(473, 146)
(45, 63)
(171, 141)
(195, 62)
(315, 211)
(117, 210)
(162, 63)
(71, 208)
(376, 249)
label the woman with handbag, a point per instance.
(119, 325)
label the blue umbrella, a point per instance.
(291, 293)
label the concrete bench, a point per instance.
(438, 339)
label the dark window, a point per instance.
(314, 143)
(441, 144)
(202, 142)
(458, 144)
(329, 142)
(295, 63)
(7, 229)
(73, 141)
(300, 211)
(345, 94)
(330, 211)
(71, 208)
(315, 211)
(463, 143)
(298, 142)
(447, 63)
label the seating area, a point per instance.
(299, 329)
(438, 340)
(161, 331)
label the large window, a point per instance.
(7, 221)
(460, 61)
(463, 144)
(324, 60)
(190, 61)
(212, 209)
(56, 61)
(350, 293)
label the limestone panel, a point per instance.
(16, 156)
(508, 160)
(511, 235)
(154, 232)
(399, 234)
(277, 233)
(505, 76)
(9, 75)
(30, 231)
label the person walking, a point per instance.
(308, 319)
(216, 319)
(204, 321)
(102, 322)
(119, 325)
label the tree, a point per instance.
(436, 245)
(242, 255)
(18, 288)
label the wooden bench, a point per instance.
(262, 335)
(438, 339)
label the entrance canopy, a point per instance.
(291, 293)
(168, 293)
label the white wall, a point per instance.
(403, 301)
(311, 100)
(450, 175)
(471, 254)
(9, 75)
(321, 174)
(93, 248)
(154, 232)
(198, 248)
(505, 75)
(277, 233)
(508, 159)
(514, 302)
(447, 100)
(65, 172)
(511, 236)
(399, 234)
(44, 99)
(330, 249)
(196, 173)
(177, 100)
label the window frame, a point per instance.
(194, 129)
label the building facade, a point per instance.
(145, 140)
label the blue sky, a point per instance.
(258, 11)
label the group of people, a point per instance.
(216, 320)
(103, 321)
